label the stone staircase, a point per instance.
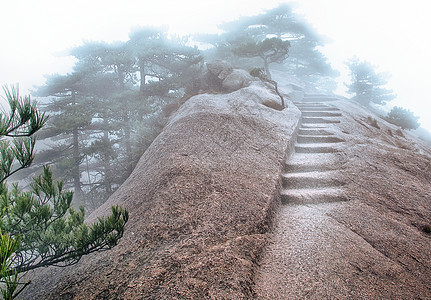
(319, 98)
(310, 173)
(322, 246)
(298, 261)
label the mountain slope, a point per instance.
(371, 243)
(200, 201)
(204, 195)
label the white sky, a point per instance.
(392, 34)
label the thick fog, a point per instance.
(392, 35)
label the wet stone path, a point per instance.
(302, 260)
(310, 176)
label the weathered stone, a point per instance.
(370, 232)
(202, 199)
(220, 68)
(200, 202)
(236, 80)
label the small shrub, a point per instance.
(373, 122)
(403, 118)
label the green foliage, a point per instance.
(403, 118)
(95, 110)
(163, 63)
(373, 122)
(366, 84)
(8, 247)
(51, 232)
(24, 119)
(270, 50)
(426, 228)
(38, 228)
(20, 123)
(259, 73)
(305, 60)
(275, 49)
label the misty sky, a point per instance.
(391, 34)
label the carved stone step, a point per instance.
(320, 114)
(310, 104)
(310, 180)
(314, 126)
(316, 148)
(312, 196)
(307, 167)
(317, 108)
(313, 131)
(306, 162)
(316, 120)
(310, 139)
(319, 98)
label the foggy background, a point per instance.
(392, 35)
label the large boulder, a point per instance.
(220, 68)
(200, 201)
(221, 77)
(236, 80)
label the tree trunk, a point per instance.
(126, 120)
(278, 92)
(128, 145)
(142, 82)
(266, 66)
(76, 175)
(121, 77)
(107, 159)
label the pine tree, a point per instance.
(403, 118)
(269, 50)
(305, 61)
(38, 228)
(110, 108)
(163, 63)
(70, 116)
(366, 84)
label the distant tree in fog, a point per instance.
(70, 117)
(115, 59)
(90, 125)
(403, 118)
(161, 62)
(111, 107)
(367, 85)
(269, 50)
(305, 60)
(115, 104)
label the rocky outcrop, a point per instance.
(200, 200)
(236, 80)
(350, 208)
(220, 77)
(219, 68)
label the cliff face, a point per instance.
(200, 201)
